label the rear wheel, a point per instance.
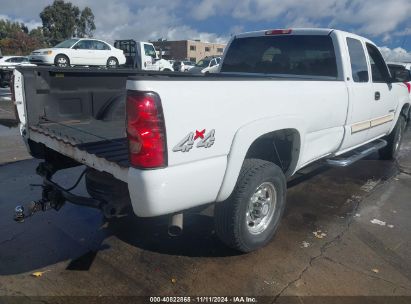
(394, 141)
(248, 219)
(61, 61)
(112, 62)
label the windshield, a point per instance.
(66, 44)
(203, 63)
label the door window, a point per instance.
(84, 45)
(149, 50)
(358, 61)
(379, 69)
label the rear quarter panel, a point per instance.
(226, 106)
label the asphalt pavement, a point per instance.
(345, 232)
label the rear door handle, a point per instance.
(377, 96)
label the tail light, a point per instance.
(146, 130)
(278, 32)
(408, 84)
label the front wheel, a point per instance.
(394, 141)
(61, 61)
(248, 219)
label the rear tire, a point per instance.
(112, 62)
(394, 140)
(62, 61)
(243, 222)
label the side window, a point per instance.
(101, 46)
(149, 50)
(358, 61)
(379, 69)
(212, 63)
(218, 60)
(84, 45)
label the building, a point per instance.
(192, 50)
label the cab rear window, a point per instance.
(306, 55)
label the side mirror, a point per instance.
(75, 47)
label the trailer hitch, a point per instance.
(54, 197)
(35, 206)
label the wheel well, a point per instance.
(281, 147)
(405, 111)
(64, 55)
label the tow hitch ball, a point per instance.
(35, 206)
(19, 214)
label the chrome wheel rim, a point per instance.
(62, 61)
(261, 208)
(112, 62)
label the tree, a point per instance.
(15, 40)
(85, 26)
(62, 20)
(8, 28)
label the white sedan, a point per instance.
(206, 65)
(83, 51)
(12, 61)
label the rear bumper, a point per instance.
(152, 192)
(176, 188)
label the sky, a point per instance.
(386, 22)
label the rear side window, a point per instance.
(307, 55)
(358, 61)
(98, 45)
(378, 68)
(395, 69)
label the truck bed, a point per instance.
(80, 112)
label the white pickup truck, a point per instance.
(166, 143)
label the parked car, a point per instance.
(206, 65)
(183, 66)
(143, 56)
(79, 51)
(9, 61)
(7, 65)
(170, 143)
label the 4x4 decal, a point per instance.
(187, 143)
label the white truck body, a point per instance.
(143, 56)
(320, 117)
